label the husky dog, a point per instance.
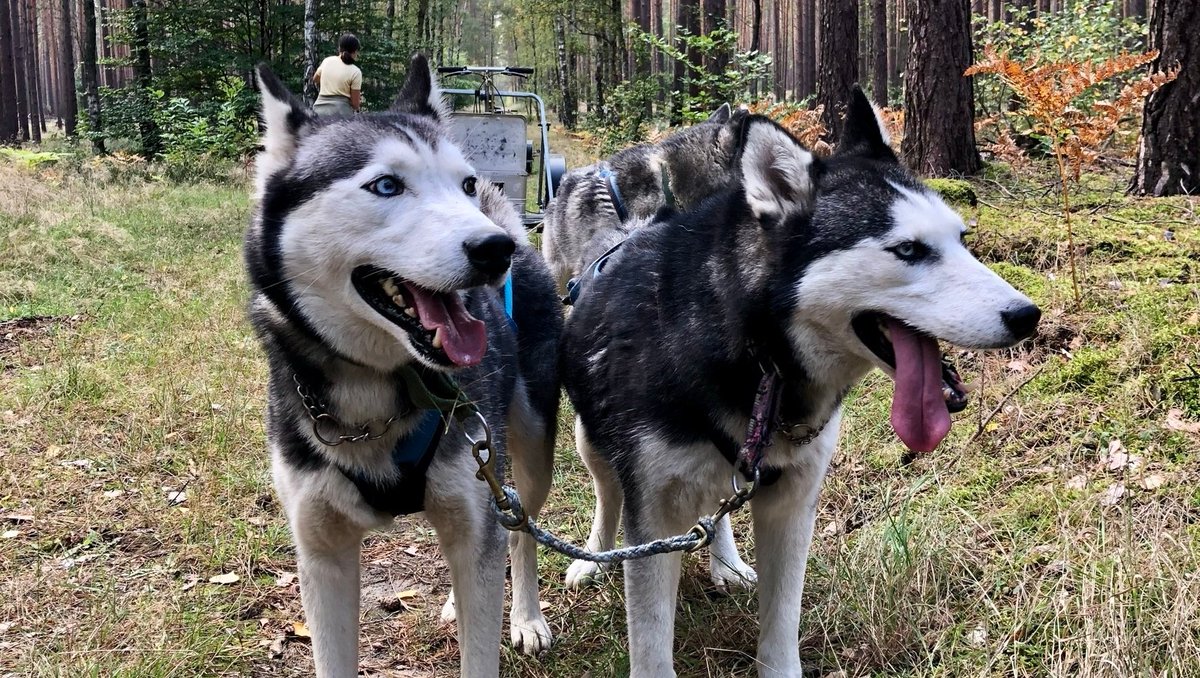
(597, 207)
(816, 270)
(598, 201)
(375, 257)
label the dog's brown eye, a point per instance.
(469, 186)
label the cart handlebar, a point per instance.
(517, 71)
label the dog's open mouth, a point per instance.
(438, 323)
(928, 387)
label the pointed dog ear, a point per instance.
(420, 94)
(776, 170)
(864, 133)
(721, 115)
(282, 117)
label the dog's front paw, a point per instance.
(449, 614)
(582, 573)
(531, 636)
(735, 575)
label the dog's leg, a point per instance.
(784, 513)
(652, 584)
(725, 565)
(327, 554)
(472, 543)
(532, 455)
(608, 510)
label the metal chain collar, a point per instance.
(318, 413)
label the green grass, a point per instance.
(127, 371)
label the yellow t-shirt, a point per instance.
(338, 77)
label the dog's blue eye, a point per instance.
(469, 186)
(910, 251)
(386, 186)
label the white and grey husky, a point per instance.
(814, 270)
(375, 258)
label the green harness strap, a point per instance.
(431, 390)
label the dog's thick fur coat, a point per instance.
(345, 208)
(821, 269)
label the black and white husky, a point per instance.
(375, 254)
(599, 205)
(817, 269)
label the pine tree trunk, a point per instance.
(894, 63)
(808, 49)
(879, 47)
(90, 76)
(38, 123)
(1168, 161)
(143, 78)
(687, 17)
(310, 49)
(939, 108)
(19, 67)
(568, 104)
(838, 57)
(8, 88)
(68, 109)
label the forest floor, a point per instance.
(1055, 533)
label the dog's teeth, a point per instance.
(398, 299)
(390, 287)
(410, 311)
(437, 338)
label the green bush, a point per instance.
(196, 141)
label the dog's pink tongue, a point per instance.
(919, 414)
(464, 337)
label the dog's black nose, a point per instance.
(490, 254)
(1022, 320)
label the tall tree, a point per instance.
(310, 48)
(568, 104)
(89, 74)
(8, 79)
(939, 101)
(19, 43)
(838, 57)
(143, 77)
(37, 123)
(687, 18)
(1168, 161)
(879, 49)
(68, 109)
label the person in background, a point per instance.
(340, 80)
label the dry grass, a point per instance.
(127, 373)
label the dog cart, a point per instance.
(490, 126)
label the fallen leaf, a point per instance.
(257, 521)
(113, 494)
(1112, 495)
(19, 518)
(412, 551)
(977, 636)
(299, 630)
(543, 605)
(10, 534)
(285, 579)
(1077, 482)
(407, 593)
(1018, 366)
(227, 578)
(5, 626)
(192, 580)
(1153, 481)
(275, 649)
(176, 497)
(1175, 422)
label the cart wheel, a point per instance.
(528, 157)
(556, 165)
